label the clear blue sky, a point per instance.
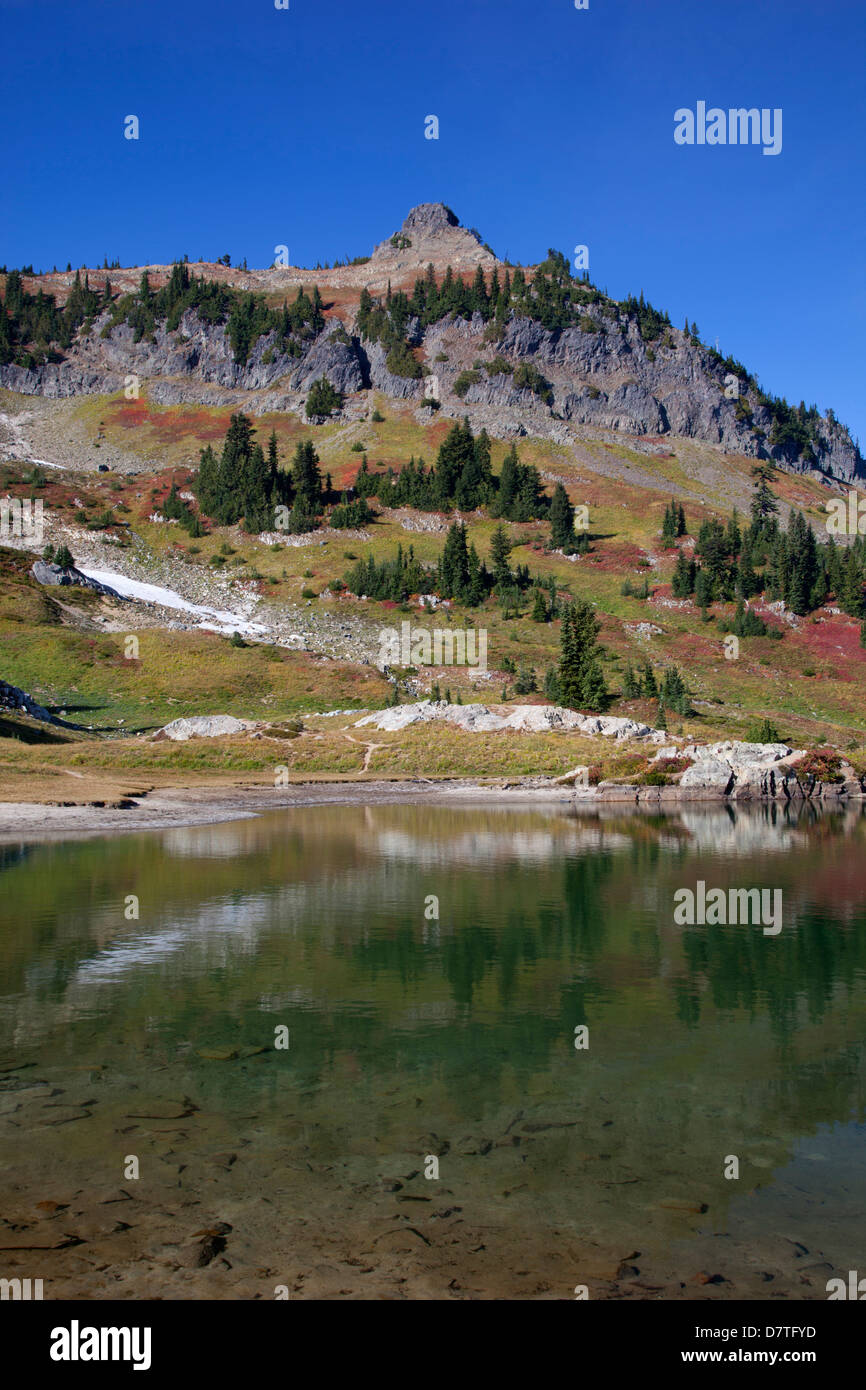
(305, 127)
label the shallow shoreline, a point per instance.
(170, 807)
(164, 808)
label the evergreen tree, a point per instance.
(500, 552)
(674, 694)
(256, 491)
(669, 526)
(764, 504)
(703, 589)
(595, 691)
(453, 572)
(539, 608)
(683, 582)
(851, 587)
(562, 535)
(715, 550)
(551, 685)
(237, 484)
(631, 685)
(581, 681)
(456, 453)
(322, 399)
(819, 592)
(477, 583)
(570, 662)
(306, 477)
(508, 483)
(747, 580)
(479, 293)
(553, 598)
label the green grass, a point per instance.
(180, 673)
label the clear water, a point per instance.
(412, 1038)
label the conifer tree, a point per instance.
(500, 552)
(703, 589)
(508, 483)
(479, 292)
(669, 525)
(562, 535)
(683, 581)
(747, 580)
(764, 504)
(453, 572)
(581, 681)
(631, 686)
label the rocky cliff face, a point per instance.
(607, 379)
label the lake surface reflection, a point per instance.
(428, 967)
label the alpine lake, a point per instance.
(425, 1051)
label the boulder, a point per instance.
(202, 726)
(55, 575)
(12, 698)
(709, 774)
(739, 754)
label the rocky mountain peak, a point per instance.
(431, 232)
(429, 217)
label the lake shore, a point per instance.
(211, 803)
(167, 807)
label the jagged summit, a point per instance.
(431, 232)
(430, 217)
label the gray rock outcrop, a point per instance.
(12, 698)
(202, 726)
(521, 718)
(57, 575)
(709, 774)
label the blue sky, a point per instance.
(305, 127)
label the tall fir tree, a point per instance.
(500, 553)
(562, 536)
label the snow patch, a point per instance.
(212, 619)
